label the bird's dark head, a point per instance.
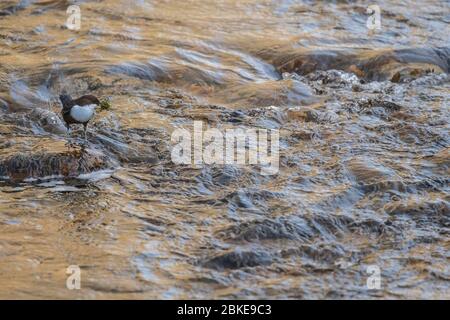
(66, 100)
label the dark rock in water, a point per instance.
(311, 115)
(37, 120)
(322, 254)
(302, 62)
(409, 74)
(47, 120)
(271, 229)
(440, 57)
(379, 107)
(334, 78)
(379, 65)
(405, 64)
(239, 259)
(52, 159)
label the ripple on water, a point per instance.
(363, 179)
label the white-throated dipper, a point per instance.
(81, 110)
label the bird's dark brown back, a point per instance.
(86, 100)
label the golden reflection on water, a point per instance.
(361, 181)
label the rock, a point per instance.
(48, 120)
(308, 114)
(239, 259)
(268, 229)
(379, 107)
(373, 65)
(321, 254)
(40, 158)
(409, 74)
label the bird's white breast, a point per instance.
(83, 113)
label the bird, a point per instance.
(80, 111)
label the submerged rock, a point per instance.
(44, 158)
(270, 229)
(239, 259)
(47, 120)
(400, 65)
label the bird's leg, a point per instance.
(85, 132)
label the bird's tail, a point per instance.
(65, 99)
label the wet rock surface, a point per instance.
(239, 259)
(46, 158)
(402, 65)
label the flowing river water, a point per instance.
(363, 122)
